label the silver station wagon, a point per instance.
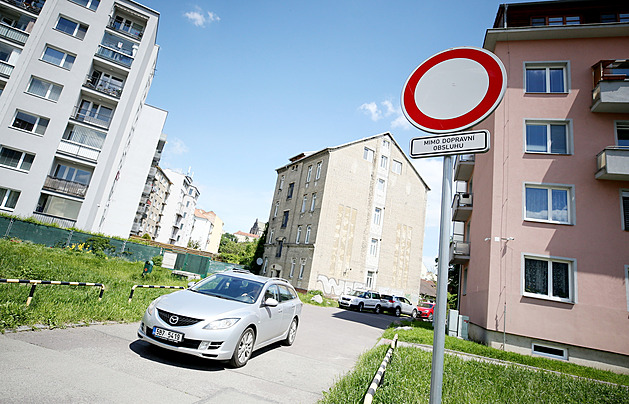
(226, 316)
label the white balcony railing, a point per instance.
(78, 150)
(13, 34)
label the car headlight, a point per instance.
(151, 307)
(221, 324)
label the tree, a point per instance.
(230, 250)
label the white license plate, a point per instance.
(166, 334)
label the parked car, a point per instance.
(361, 300)
(399, 305)
(226, 316)
(426, 310)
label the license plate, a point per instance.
(168, 335)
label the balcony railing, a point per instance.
(613, 164)
(78, 150)
(5, 69)
(65, 187)
(103, 86)
(83, 115)
(13, 34)
(459, 252)
(30, 6)
(125, 30)
(611, 86)
(461, 207)
(114, 56)
(60, 221)
(463, 167)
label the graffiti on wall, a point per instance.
(336, 287)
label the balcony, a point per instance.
(60, 221)
(78, 150)
(13, 34)
(463, 167)
(611, 86)
(91, 117)
(459, 252)
(115, 56)
(5, 69)
(613, 164)
(65, 187)
(30, 6)
(103, 86)
(126, 27)
(461, 207)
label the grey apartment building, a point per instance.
(346, 217)
(76, 137)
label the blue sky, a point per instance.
(248, 84)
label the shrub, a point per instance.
(158, 260)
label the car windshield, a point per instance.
(427, 305)
(229, 287)
(357, 293)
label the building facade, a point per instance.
(541, 230)
(75, 133)
(347, 217)
(178, 215)
(152, 204)
(207, 230)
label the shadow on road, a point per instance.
(381, 321)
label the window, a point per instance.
(397, 167)
(376, 216)
(560, 20)
(318, 174)
(285, 219)
(309, 173)
(58, 58)
(71, 173)
(270, 240)
(541, 78)
(548, 278)
(373, 247)
(91, 4)
(627, 284)
(625, 209)
(622, 17)
(551, 204)
(44, 89)
(385, 143)
(384, 162)
(551, 137)
(292, 268)
(94, 113)
(57, 206)
(71, 27)
(302, 267)
(307, 238)
(16, 159)
(278, 249)
(551, 352)
(291, 188)
(30, 123)
(281, 183)
(381, 185)
(277, 205)
(622, 134)
(313, 202)
(8, 198)
(266, 262)
(122, 24)
(303, 203)
(298, 235)
(368, 154)
(369, 280)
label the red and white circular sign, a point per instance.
(454, 90)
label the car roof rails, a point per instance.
(240, 270)
(280, 279)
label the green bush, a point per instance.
(158, 260)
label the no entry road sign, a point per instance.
(476, 141)
(454, 90)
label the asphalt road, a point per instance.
(107, 363)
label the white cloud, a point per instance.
(372, 110)
(200, 18)
(176, 146)
(386, 109)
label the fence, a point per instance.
(34, 283)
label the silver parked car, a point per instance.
(226, 316)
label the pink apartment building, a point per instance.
(541, 221)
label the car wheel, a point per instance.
(243, 349)
(398, 311)
(360, 307)
(292, 333)
(430, 317)
(377, 309)
(414, 314)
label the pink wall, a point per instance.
(597, 242)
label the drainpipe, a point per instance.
(504, 24)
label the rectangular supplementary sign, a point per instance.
(476, 141)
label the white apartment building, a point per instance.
(178, 218)
(76, 138)
(207, 230)
(348, 217)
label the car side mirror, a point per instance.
(271, 302)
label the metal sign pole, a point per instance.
(439, 324)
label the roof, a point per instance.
(205, 215)
(242, 233)
(428, 288)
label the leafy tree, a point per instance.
(230, 250)
(194, 244)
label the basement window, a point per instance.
(550, 352)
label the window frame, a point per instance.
(384, 162)
(547, 66)
(377, 216)
(88, 4)
(318, 172)
(313, 202)
(302, 267)
(623, 126)
(5, 198)
(23, 155)
(309, 174)
(572, 278)
(49, 90)
(368, 154)
(289, 192)
(76, 31)
(624, 209)
(373, 247)
(293, 262)
(396, 167)
(570, 205)
(569, 138)
(307, 236)
(63, 60)
(285, 219)
(298, 236)
(35, 125)
(304, 202)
